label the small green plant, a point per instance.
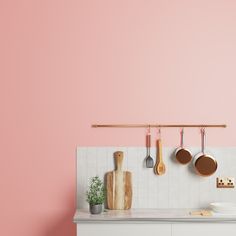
(96, 191)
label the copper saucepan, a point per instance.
(182, 155)
(205, 165)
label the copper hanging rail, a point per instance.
(157, 126)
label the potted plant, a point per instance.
(95, 195)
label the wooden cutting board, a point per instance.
(119, 186)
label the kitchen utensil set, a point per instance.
(204, 164)
(159, 168)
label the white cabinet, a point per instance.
(123, 229)
(154, 229)
(210, 229)
(152, 222)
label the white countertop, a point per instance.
(149, 216)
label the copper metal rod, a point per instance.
(156, 126)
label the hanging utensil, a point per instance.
(159, 168)
(149, 160)
(182, 155)
(205, 165)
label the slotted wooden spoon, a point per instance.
(159, 168)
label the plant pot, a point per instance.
(95, 209)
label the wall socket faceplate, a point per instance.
(225, 182)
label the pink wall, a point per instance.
(67, 64)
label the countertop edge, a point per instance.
(157, 220)
(84, 217)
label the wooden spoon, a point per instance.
(159, 168)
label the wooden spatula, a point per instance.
(159, 168)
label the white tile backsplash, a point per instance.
(180, 187)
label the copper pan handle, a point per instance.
(182, 138)
(203, 135)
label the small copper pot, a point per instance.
(182, 155)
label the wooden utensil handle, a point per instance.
(118, 157)
(148, 140)
(159, 149)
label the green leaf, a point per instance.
(96, 191)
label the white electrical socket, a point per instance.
(225, 182)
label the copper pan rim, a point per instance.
(198, 158)
(185, 150)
